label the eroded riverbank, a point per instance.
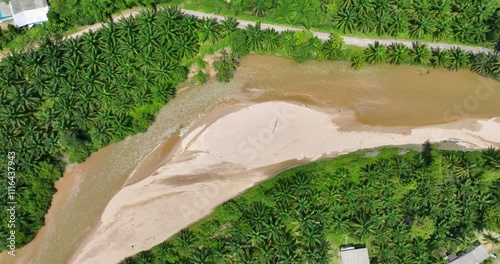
(379, 100)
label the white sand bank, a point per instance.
(219, 160)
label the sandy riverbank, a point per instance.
(226, 154)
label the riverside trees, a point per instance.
(69, 98)
(406, 208)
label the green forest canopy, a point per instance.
(406, 208)
(66, 99)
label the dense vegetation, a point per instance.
(440, 20)
(464, 21)
(303, 45)
(407, 208)
(68, 98)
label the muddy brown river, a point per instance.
(381, 95)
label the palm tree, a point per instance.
(481, 63)
(421, 54)
(345, 20)
(443, 28)
(255, 37)
(189, 23)
(170, 16)
(259, 7)
(127, 29)
(187, 46)
(421, 26)
(363, 226)
(384, 21)
(332, 48)
(375, 53)
(459, 59)
(246, 257)
(270, 40)
(201, 256)
(492, 157)
(397, 53)
(274, 228)
(147, 19)
(367, 24)
(492, 239)
(72, 47)
(229, 25)
(258, 212)
(209, 30)
(479, 34)
(301, 183)
(399, 24)
(23, 98)
(149, 39)
(185, 240)
(287, 41)
(463, 30)
(483, 11)
(90, 41)
(144, 257)
(440, 58)
(364, 8)
(357, 61)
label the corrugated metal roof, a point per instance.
(35, 16)
(5, 10)
(475, 256)
(19, 6)
(355, 256)
(28, 12)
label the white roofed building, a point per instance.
(5, 11)
(29, 12)
(474, 256)
(352, 255)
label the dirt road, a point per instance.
(353, 41)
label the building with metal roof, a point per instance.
(474, 256)
(5, 12)
(352, 255)
(29, 12)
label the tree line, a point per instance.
(440, 20)
(407, 208)
(303, 45)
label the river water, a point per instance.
(381, 95)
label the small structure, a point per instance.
(29, 12)
(352, 255)
(473, 256)
(5, 12)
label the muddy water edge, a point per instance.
(381, 95)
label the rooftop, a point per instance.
(29, 12)
(25, 5)
(475, 256)
(351, 255)
(5, 10)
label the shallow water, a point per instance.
(380, 95)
